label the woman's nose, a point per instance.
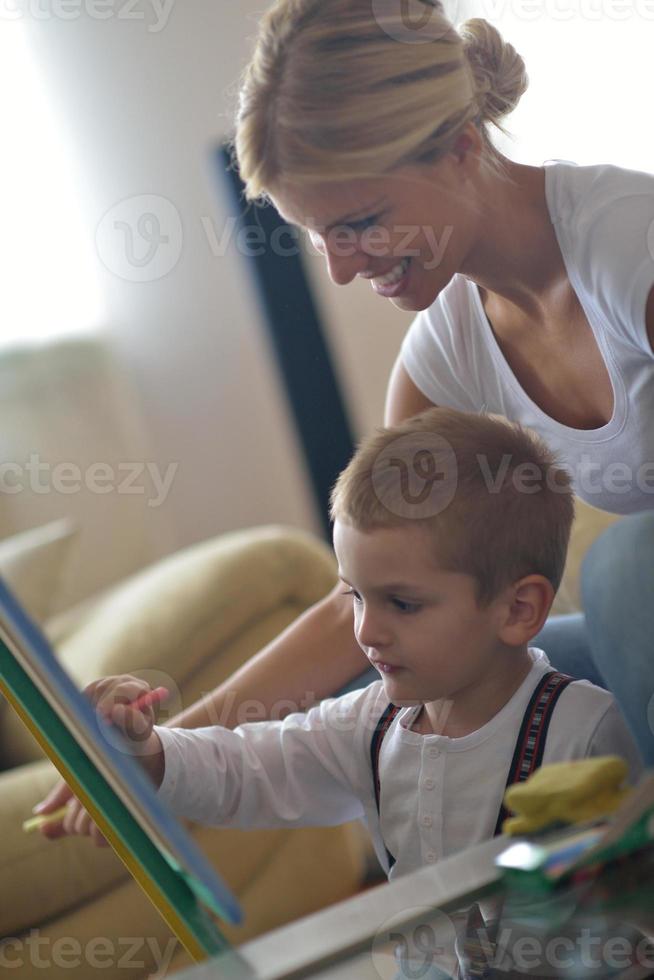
(344, 258)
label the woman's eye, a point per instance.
(365, 222)
(406, 607)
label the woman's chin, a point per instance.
(415, 300)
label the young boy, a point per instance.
(451, 533)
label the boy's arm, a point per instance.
(310, 660)
(308, 770)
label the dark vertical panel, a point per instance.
(271, 251)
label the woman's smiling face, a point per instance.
(408, 232)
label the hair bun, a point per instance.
(499, 71)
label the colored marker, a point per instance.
(156, 696)
(44, 818)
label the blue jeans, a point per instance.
(612, 642)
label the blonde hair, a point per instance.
(493, 496)
(335, 90)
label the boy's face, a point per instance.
(420, 626)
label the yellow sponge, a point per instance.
(566, 792)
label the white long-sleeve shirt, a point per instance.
(438, 794)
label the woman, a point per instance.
(366, 123)
(535, 287)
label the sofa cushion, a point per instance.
(33, 564)
(171, 622)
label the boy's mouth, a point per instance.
(383, 667)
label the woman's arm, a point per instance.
(314, 656)
(403, 398)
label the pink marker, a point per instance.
(157, 696)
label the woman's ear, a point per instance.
(528, 602)
(468, 143)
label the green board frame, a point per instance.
(187, 903)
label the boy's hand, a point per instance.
(111, 697)
(76, 820)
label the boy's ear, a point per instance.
(528, 602)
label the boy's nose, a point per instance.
(370, 632)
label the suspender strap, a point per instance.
(383, 725)
(530, 745)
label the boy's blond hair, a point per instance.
(499, 505)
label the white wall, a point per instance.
(142, 108)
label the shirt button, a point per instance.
(426, 821)
(434, 752)
(429, 784)
(430, 857)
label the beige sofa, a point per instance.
(66, 907)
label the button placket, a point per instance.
(430, 802)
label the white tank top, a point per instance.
(604, 221)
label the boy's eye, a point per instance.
(355, 595)
(404, 606)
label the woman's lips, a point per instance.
(394, 289)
